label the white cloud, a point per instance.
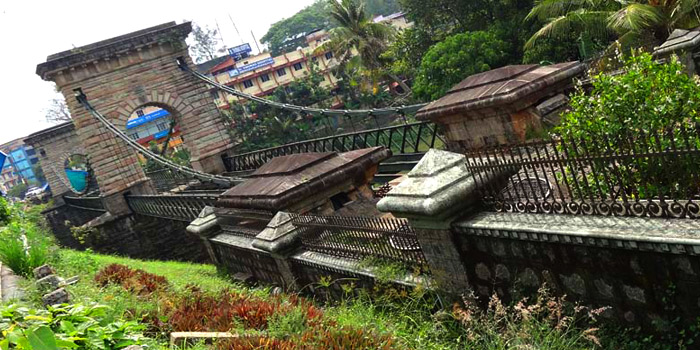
(32, 30)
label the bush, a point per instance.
(649, 107)
(457, 57)
(136, 281)
(4, 211)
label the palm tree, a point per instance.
(358, 41)
(635, 23)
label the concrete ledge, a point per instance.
(677, 236)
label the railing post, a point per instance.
(436, 192)
(280, 238)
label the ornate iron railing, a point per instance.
(166, 179)
(406, 138)
(360, 237)
(175, 207)
(649, 173)
(85, 203)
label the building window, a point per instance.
(139, 112)
(314, 59)
(134, 136)
(287, 89)
(162, 126)
(329, 55)
(281, 72)
(297, 66)
(247, 83)
(265, 77)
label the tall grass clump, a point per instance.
(24, 245)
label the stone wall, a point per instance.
(54, 146)
(62, 217)
(641, 280)
(134, 236)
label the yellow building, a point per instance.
(261, 74)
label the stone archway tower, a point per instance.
(120, 74)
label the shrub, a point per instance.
(547, 323)
(4, 211)
(649, 107)
(136, 281)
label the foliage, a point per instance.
(65, 326)
(647, 99)
(206, 45)
(17, 190)
(286, 35)
(633, 23)
(24, 245)
(456, 58)
(84, 234)
(289, 33)
(260, 126)
(137, 281)
(5, 213)
(547, 323)
(39, 173)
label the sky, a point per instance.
(32, 30)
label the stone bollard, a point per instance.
(279, 238)
(59, 296)
(50, 282)
(43, 271)
(435, 193)
(205, 226)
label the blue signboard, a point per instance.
(238, 51)
(161, 134)
(253, 66)
(3, 156)
(146, 118)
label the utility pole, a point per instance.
(220, 35)
(236, 28)
(256, 41)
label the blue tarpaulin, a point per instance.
(77, 178)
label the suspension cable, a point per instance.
(216, 179)
(314, 111)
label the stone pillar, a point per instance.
(280, 238)
(436, 192)
(121, 75)
(206, 226)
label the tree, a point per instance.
(382, 7)
(286, 35)
(18, 190)
(457, 57)
(39, 173)
(358, 41)
(635, 23)
(206, 45)
(58, 111)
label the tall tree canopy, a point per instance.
(206, 44)
(281, 36)
(635, 23)
(288, 34)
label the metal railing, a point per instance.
(166, 179)
(360, 237)
(401, 139)
(175, 207)
(647, 174)
(85, 203)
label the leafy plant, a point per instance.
(23, 247)
(67, 326)
(649, 107)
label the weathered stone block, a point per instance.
(59, 296)
(43, 271)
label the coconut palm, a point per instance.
(358, 41)
(634, 22)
